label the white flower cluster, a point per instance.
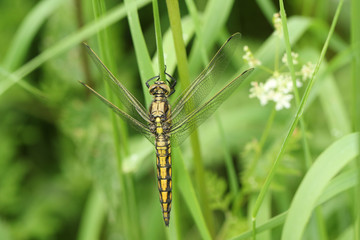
(279, 87)
(249, 58)
(294, 58)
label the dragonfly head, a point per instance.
(159, 88)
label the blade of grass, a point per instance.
(183, 69)
(233, 180)
(159, 44)
(93, 216)
(128, 211)
(355, 101)
(339, 184)
(268, 9)
(142, 54)
(11, 77)
(23, 38)
(328, 164)
(187, 190)
(299, 112)
(221, 9)
(27, 31)
(306, 148)
(168, 45)
(90, 29)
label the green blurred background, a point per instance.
(57, 155)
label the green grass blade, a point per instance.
(221, 9)
(142, 54)
(65, 44)
(188, 192)
(339, 184)
(268, 9)
(168, 44)
(11, 77)
(27, 31)
(355, 101)
(129, 209)
(232, 176)
(22, 40)
(328, 164)
(183, 69)
(93, 216)
(159, 44)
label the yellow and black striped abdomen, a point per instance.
(163, 162)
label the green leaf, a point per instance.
(328, 164)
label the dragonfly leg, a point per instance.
(147, 82)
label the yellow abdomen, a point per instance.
(163, 162)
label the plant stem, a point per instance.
(183, 69)
(159, 40)
(355, 43)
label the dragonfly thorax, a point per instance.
(159, 88)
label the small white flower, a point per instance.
(259, 92)
(249, 58)
(307, 71)
(282, 101)
(284, 83)
(270, 84)
(294, 58)
(256, 89)
(277, 25)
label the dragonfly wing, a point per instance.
(182, 129)
(196, 93)
(132, 105)
(141, 127)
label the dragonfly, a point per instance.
(164, 126)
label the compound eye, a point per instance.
(166, 89)
(152, 89)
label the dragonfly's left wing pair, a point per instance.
(135, 113)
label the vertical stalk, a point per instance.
(94, 215)
(159, 40)
(355, 65)
(183, 69)
(128, 212)
(232, 176)
(306, 148)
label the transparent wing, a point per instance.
(142, 128)
(132, 105)
(181, 130)
(210, 78)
